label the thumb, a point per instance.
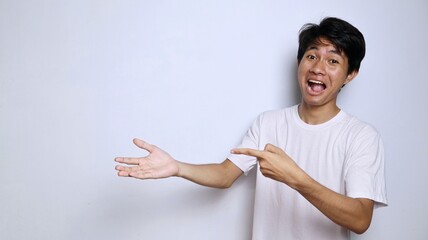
(144, 145)
(272, 148)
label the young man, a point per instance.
(320, 170)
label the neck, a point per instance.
(317, 114)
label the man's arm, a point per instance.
(354, 214)
(159, 164)
(221, 175)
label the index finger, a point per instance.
(127, 160)
(247, 151)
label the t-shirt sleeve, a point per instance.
(365, 175)
(250, 140)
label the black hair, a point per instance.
(346, 38)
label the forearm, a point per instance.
(352, 213)
(220, 175)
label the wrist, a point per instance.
(303, 183)
(180, 169)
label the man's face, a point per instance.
(321, 74)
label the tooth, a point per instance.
(314, 81)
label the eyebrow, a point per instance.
(334, 51)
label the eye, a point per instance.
(334, 61)
(311, 57)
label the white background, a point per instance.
(79, 79)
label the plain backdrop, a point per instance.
(80, 79)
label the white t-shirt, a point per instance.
(343, 154)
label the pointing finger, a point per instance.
(247, 151)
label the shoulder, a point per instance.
(273, 119)
(278, 114)
(360, 131)
(359, 125)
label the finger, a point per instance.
(126, 160)
(273, 149)
(123, 174)
(247, 151)
(144, 145)
(127, 169)
(141, 175)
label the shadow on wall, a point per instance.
(291, 91)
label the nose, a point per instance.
(318, 67)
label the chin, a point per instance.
(314, 102)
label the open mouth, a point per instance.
(316, 86)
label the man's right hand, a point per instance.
(158, 164)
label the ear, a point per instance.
(351, 76)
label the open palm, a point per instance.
(158, 164)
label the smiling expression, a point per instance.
(322, 72)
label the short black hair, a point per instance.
(346, 38)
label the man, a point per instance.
(320, 170)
